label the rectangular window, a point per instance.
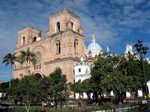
(79, 70)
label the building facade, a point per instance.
(62, 47)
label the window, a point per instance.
(78, 30)
(23, 41)
(71, 25)
(38, 57)
(58, 47)
(58, 26)
(34, 39)
(76, 46)
(79, 70)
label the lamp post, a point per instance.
(142, 50)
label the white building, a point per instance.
(81, 71)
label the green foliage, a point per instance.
(10, 59)
(33, 90)
(27, 56)
(25, 90)
(85, 86)
(12, 91)
(114, 73)
(4, 86)
(28, 89)
(58, 86)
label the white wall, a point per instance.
(81, 71)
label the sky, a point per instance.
(114, 22)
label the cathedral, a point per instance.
(61, 48)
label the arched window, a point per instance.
(76, 46)
(78, 30)
(38, 57)
(34, 39)
(72, 25)
(58, 47)
(58, 26)
(23, 41)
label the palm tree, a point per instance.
(10, 59)
(26, 57)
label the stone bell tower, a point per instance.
(28, 36)
(66, 35)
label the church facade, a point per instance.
(61, 48)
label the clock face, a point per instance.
(38, 57)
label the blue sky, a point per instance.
(114, 22)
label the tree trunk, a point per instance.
(95, 96)
(27, 106)
(88, 95)
(55, 103)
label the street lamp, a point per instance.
(142, 50)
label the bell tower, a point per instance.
(64, 20)
(28, 36)
(66, 34)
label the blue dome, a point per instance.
(94, 46)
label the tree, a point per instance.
(12, 91)
(26, 57)
(59, 84)
(102, 68)
(118, 74)
(54, 88)
(115, 82)
(76, 87)
(46, 89)
(27, 91)
(86, 88)
(10, 59)
(4, 86)
(133, 72)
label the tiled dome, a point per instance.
(93, 45)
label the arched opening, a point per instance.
(38, 75)
(66, 25)
(34, 39)
(23, 41)
(58, 26)
(90, 63)
(72, 25)
(58, 47)
(76, 46)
